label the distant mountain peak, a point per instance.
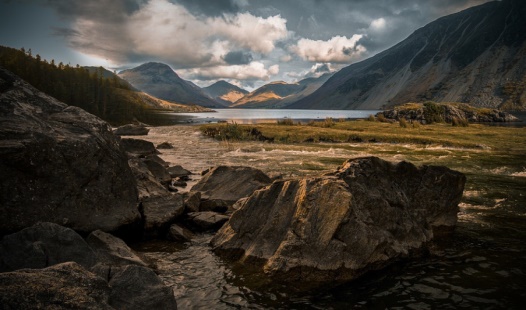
(224, 92)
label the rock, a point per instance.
(157, 159)
(136, 287)
(59, 164)
(43, 245)
(111, 250)
(131, 130)
(230, 183)
(332, 229)
(158, 170)
(179, 183)
(178, 233)
(63, 286)
(178, 171)
(207, 220)
(192, 202)
(160, 211)
(215, 205)
(165, 145)
(147, 184)
(138, 147)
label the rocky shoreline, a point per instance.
(67, 176)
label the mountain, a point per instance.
(161, 81)
(224, 92)
(280, 94)
(476, 56)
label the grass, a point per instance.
(475, 136)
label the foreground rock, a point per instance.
(59, 164)
(138, 147)
(227, 184)
(117, 277)
(131, 130)
(332, 229)
(206, 221)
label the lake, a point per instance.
(252, 116)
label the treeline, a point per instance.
(100, 93)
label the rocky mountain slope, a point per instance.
(224, 92)
(161, 81)
(280, 94)
(475, 56)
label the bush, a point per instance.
(371, 118)
(403, 123)
(433, 112)
(459, 122)
(286, 122)
(381, 118)
(328, 122)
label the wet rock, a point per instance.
(131, 130)
(179, 233)
(160, 211)
(208, 220)
(230, 183)
(215, 205)
(138, 147)
(63, 286)
(332, 229)
(192, 202)
(136, 287)
(178, 171)
(43, 245)
(111, 250)
(59, 164)
(157, 159)
(165, 145)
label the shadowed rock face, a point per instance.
(59, 164)
(334, 228)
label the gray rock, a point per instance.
(332, 229)
(157, 159)
(43, 245)
(216, 205)
(147, 184)
(178, 171)
(138, 147)
(230, 183)
(208, 220)
(165, 145)
(131, 130)
(161, 211)
(59, 164)
(136, 287)
(111, 250)
(158, 170)
(192, 202)
(179, 233)
(63, 286)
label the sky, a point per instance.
(246, 42)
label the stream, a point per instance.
(481, 266)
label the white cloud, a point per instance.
(285, 58)
(378, 24)
(337, 49)
(253, 71)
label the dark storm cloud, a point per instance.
(238, 58)
(210, 8)
(64, 32)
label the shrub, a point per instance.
(371, 118)
(403, 123)
(416, 124)
(328, 122)
(459, 122)
(381, 118)
(286, 122)
(433, 112)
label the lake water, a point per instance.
(251, 116)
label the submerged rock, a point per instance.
(59, 164)
(227, 184)
(165, 145)
(332, 229)
(179, 233)
(131, 130)
(178, 171)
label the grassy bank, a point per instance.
(475, 136)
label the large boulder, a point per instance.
(332, 229)
(161, 211)
(59, 164)
(63, 286)
(227, 184)
(131, 130)
(138, 147)
(43, 245)
(112, 251)
(136, 287)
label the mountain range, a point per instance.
(476, 56)
(224, 92)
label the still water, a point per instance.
(251, 116)
(481, 266)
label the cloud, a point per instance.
(337, 49)
(378, 24)
(238, 58)
(253, 71)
